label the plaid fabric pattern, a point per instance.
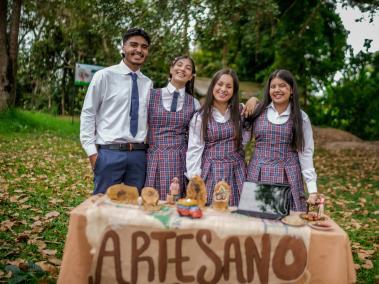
(274, 161)
(167, 138)
(222, 161)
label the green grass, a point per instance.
(44, 169)
(19, 121)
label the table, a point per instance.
(329, 257)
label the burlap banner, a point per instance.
(135, 254)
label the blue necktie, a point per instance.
(134, 106)
(174, 103)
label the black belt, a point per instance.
(125, 146)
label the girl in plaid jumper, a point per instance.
(215, 150)
(283, 140)
(169, 113)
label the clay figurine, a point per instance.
(196, 190)
(150, 199)
(221, 196)
(174, 191)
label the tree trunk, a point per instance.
(225, 55)
(63, 90)
(8, 53)
(4, 87)
(13, 49)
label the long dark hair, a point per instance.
(206, 109)
(191, 83)
(297, 141)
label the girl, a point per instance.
(283, 140)
(215, 150)
(169, 113)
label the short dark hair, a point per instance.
(136, 32)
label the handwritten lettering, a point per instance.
(199, 256)
(262, 261)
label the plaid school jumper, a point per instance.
(274, 161)
(222, 161)
(167, 138)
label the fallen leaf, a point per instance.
(40, 244)
(14, 199)
(365, 254)
(55, 201)
(54, 260)
(6, 225)
(23, 200)
(355, 224)
(37, 229)
(52, 214)
(48, 267)
(49, 251)
(36, 224)
(368, 264)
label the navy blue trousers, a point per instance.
(114, 167)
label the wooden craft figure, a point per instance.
(150, 199)
(196, 190)
(174, 191)
(122, 193)
(221, 195)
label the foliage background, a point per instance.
(252, 36)
(43, 170)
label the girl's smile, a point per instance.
(223, 90)
(181, 72)
(280, 92)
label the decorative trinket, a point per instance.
(221, 195)
(122, 193)
(174, 191)
(189, 208)
(150, 199)
(196, 190)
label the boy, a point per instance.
(113, 122)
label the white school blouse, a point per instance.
(167, 96)
(196, 143)
(306, 156)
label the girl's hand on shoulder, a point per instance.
(250, 106)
